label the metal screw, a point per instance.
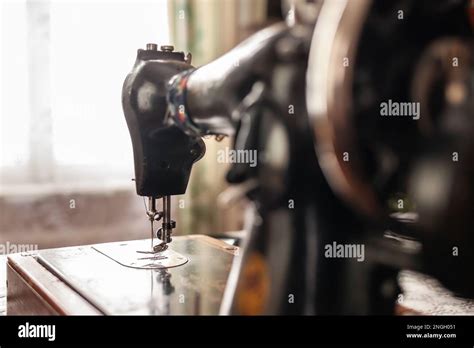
(167, 48)
(189, 58)
(151, 47)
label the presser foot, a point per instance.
(160, 247)
(164, 233)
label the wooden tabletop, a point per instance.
(80, 280)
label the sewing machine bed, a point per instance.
(81, 280)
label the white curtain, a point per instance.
(62, 68)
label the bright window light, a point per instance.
(70, 65)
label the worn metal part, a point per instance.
(160, 247)
(164, 233)
(167, 48)
(163, 154)
(153, 215)
(151, 47)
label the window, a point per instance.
(62, 68)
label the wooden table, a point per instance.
(3, 287)
(80, 280)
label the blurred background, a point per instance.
(66, 164)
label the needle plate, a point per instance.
(138, 255)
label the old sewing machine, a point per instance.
(360, 112)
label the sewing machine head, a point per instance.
(163, 154)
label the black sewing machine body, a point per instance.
(163, 154)
(323, 178)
